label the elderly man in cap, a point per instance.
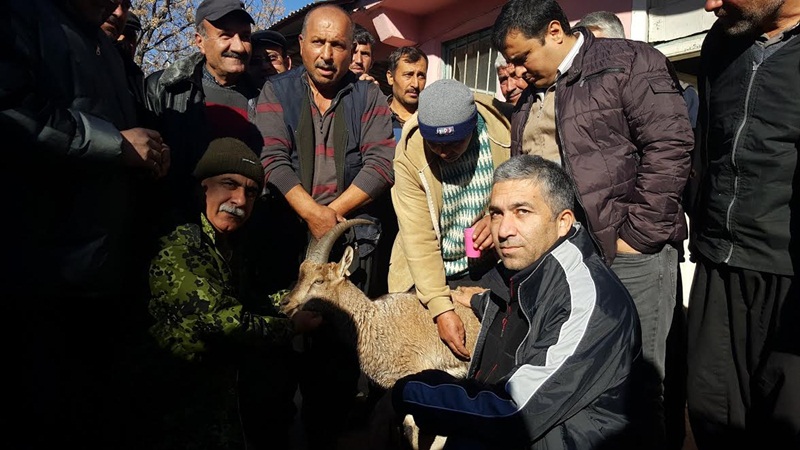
(199, 319)
(269, 55)
(443, 167)
(205, 96)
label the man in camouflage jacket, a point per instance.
(206, 331)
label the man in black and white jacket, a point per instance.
(559, 338)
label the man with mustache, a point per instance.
(407, 75)
(362, 53)
(115, 22)
(559, 333)
(200, 321)
(204, 96)
(744, 307)
(327, 153)
(443, 168)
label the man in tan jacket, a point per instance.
(443, 165)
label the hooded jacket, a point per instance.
(417, 197)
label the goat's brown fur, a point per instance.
(395, 334)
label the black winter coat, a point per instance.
(64, 101)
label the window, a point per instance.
(470, 60)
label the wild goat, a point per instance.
(393, 334)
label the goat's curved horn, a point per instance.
(319, 251)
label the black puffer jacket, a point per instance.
(625, 137)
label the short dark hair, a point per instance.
(362, 36)
(410, 54)
(528, 17)
(556, 186)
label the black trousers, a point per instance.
(743, 358)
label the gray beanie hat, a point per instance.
(446, 111)
(229, 155)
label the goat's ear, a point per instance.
(344, 264)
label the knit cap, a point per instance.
(446, 111)
(229, 155)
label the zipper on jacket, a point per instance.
(505, 320)
(568, 169)
(733, 157)
(602, 72)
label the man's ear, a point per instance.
(555, 32)
(389, 78)
(288, 61)
(198, 41)
(565, 220)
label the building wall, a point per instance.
(456, 19)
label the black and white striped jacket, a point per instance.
(570, 387)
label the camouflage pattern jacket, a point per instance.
(193, 298)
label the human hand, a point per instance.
(321, 220)
(305, 321)
(463, 295)
(451, 331)
(623, 247)
(367, 77)
(482, 233)
(142, 147)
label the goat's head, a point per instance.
(318, 278)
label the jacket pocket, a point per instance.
(662, 85)
(601, 73)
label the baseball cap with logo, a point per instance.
(212, 10)
(446, 111)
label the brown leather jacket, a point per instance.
(625, 138)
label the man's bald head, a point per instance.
(326, 11)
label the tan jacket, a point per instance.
(417, 198)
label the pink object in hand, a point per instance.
(468, 244)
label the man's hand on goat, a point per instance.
(305, 321)
(451, 331)
(463, 295)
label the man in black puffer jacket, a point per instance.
(611, 112)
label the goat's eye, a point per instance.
(318, 282)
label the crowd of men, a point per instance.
(170, 212)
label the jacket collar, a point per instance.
(186, 69)
(577, 64)
(578, 237)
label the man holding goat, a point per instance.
(559, 333)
